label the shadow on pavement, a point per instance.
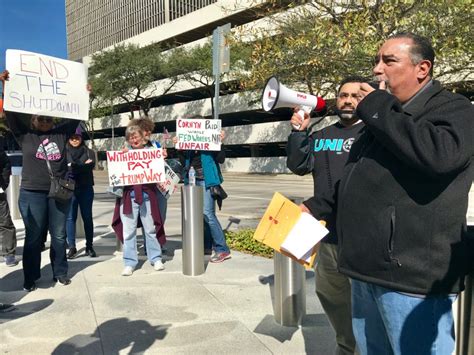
(24, 309)
(116, 334)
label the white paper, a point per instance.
(304, 235)
(45, 85)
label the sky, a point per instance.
(33, 25)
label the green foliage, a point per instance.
(127, 73)
(242, 240)
(318, 44)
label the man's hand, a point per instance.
(4, 76)
(303, 208)
(165, 152)
(222, 135)
(365, 89)
(296, 120)
(175, 140)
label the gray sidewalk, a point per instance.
(228, 309)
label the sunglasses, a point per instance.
(45, 119)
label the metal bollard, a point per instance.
(464, 331)
(13, 192)
(80, 232)
(464, 341)
(290, 295)
(192, 230)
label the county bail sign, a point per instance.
(47, 86)
(198, 134)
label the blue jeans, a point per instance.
(389, 322)
(213, 234)
(83, 198)
(129, 221)
(38, 213)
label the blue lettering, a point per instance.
(318, 145)
(330, 144)
(334, 145)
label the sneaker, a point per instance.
(90, 252)
(220, 257)
(10, 260)
(29, 286)
(72, 253)
(62, 280)
(158, 266)
(6, 307)
(127, 271)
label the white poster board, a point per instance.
(48, 86)
(198, 134)
(135, 167)
(170, 186)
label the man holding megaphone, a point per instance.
(324, 153)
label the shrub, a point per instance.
(242, 240)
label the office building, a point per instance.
(255, 139)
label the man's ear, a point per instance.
(424, 68)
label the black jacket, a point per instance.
(324, 153)
(82, 173)
(402, 200)
(5, 167)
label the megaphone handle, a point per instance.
(301, 112)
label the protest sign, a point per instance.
(170, 186)
(198, 134)
(48, 86)
(135, 167)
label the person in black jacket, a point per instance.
(402, 204)
(7, 228)
(81, 162)
(324, 153)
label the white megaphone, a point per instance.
(277, 95)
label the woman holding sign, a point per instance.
(208, 174)
(139, 201)
(41, 142)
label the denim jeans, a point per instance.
(7, 228)
(83, 198)
(213, 234)
(129, 221)
(38, 213)
(389, 322)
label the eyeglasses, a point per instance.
(45, 119)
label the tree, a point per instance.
(129, 73)
(318, 43)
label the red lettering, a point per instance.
(43, 64)
(112, 156)
(24, 64)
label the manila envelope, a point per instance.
(279, 218)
